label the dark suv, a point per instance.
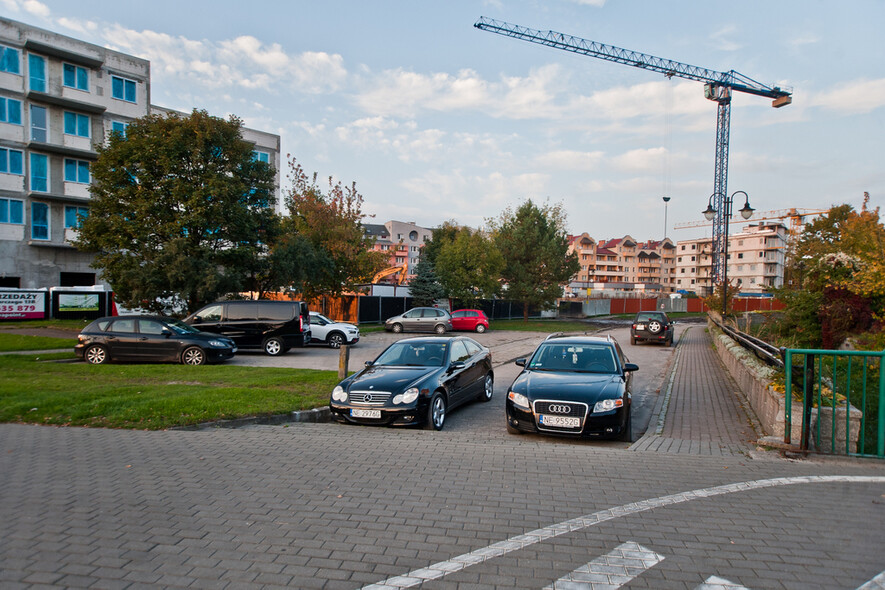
(272, 326)
(652, 326)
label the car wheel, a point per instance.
(96, 355)
(193, 356)
(273, 346)
(439, 329)
(655, 326)
(335, 339)
(634, 341)
(627, 435)
(480, 328)
(396, 328)
(488, 389)
(436, 412)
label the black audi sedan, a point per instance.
(574, 386)
(150, 339)
(416, 381)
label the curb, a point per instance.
(315, 415)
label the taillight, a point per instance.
(301, 323)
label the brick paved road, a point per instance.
(333, 506)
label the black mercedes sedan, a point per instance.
(416, 381)
(574, 386)
(151, 339)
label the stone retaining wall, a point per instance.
(754, 378)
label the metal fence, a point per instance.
(842, 396)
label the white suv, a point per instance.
(322, 329)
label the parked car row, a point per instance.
(579, 386)
(215, 332)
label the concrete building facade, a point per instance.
(59, 99)
(401, 242)
(622, 264)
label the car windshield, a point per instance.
(645, 317)
(582, 358)
(180, 327)
(414, 354)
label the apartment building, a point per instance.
(756, 259)
(60, 98)
(401, 241)
(622, 264)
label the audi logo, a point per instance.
(559, 409)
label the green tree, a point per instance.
(180, 210)
(440, 236)
(534, 244)
(425, 287)
(331, 222)
(469, 266)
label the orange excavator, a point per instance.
(402, 270)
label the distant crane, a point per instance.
(718, 87)
(794, 214)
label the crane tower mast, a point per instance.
(718, 87)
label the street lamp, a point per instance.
(746, 212)
(664, 270)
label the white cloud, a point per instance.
(597, 3)
(722, 39)
(650, 160)
(571, 160)
(856, 97)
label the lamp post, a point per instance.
(663, 269)
(746, 212)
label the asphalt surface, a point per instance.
(333, 506)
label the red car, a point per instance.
(471, 320)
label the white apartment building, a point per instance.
(60, 98)
(756, 258)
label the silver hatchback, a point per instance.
(420, 319)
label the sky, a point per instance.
(436, 120)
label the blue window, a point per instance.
(74, 216)
(119, 127)
(10, 111)
(9, 60)
(76, 124)
(39, 122)
(12, 211)
(39, 221)
(76, 171)
(261, 156)
(37, 73)
(76, 77)
(12, 161)
(40, 173)
(123, 89)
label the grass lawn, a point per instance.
(9, 342)
(38, 389)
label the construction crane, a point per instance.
(718, 87)
(795, 215)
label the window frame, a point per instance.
(6, 161)
(78, 212)
(4, 59)
(6, 211)
(33, 58)
(77, 70)
(45, 129)
(79, 166)
(4, 110)
(79, 122)
(125, 84)
(35, 156)
(34, 225)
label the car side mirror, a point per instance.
(370, 363)
(629, 367)
(520, 362)
(197, 319)
(166, 332)
(457, 365)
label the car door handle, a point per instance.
(143, 338)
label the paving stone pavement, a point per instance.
(471, 507)
(702, 410)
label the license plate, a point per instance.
(560, 421)
(640, 327)
(357, 413)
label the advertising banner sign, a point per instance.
(22, 305)
(78, 302)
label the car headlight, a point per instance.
(406, 397)
(607, 405)
(218, 344)
(338, 394)
(518, 399)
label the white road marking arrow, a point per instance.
(717, 583)
(610, 571)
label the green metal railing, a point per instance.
(839, 384)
